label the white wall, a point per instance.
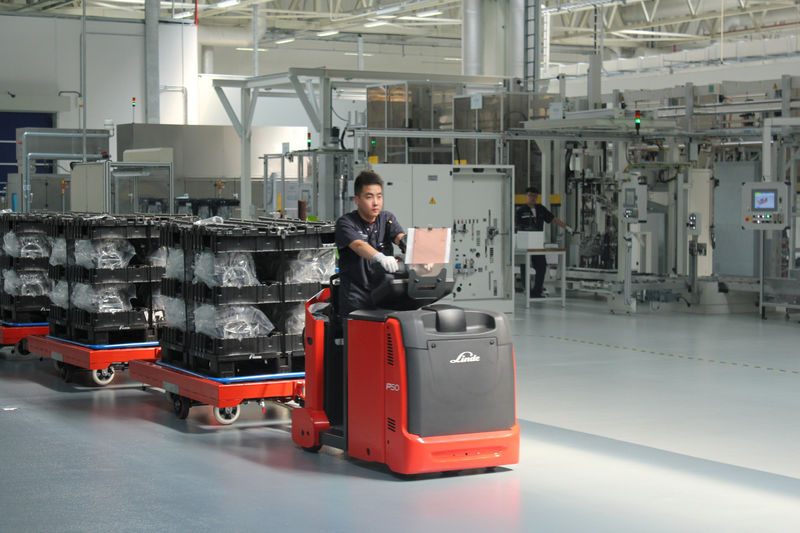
(42, 57)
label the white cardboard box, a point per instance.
(530, 240)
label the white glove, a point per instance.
(389, 264)
(569, 230)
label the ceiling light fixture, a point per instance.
(285, 41)
(431, 13)
(227, 3)
(244, 49)
(184, 15)
(356, 53)
(387, 10)
(452, 58)
(375, 23)
(327, 33)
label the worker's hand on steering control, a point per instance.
(389, 264)
(402, 243)
(569, 230)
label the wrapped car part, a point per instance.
(235, 322)
(29, 245)
(58, 255)
(174, 266)
(104, 253)
(101, 298)
(296, 319)
(175, 312)
(26, 283)
(235, 269)
(312, 266)
(158, 258)
(59, 294)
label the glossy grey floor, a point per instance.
(656, 422)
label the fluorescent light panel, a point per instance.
(356, 53)
(244, 49)
(184, 15)
(285, 41)
(327, 33)
(227, 3)
(375, 23)
(430, 13)
(452, 58)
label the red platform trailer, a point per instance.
(102, 362)
(186, 389)
(16, 334)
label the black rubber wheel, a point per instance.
(21, 348)
(66, 371)
(181, 406)
(312, 449)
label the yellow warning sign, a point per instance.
(433, 201)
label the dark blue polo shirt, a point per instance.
(358, 277)
(528, 219)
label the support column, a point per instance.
(471, 38)
(152, 101)
(246, 192)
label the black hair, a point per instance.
(367, 177)
(532, 190)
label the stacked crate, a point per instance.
(24, 264)
(273, 282)
(96, 301)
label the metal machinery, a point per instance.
(122, 187)
(476, 202)
(417, 385)
(322, 179)
(42, 181)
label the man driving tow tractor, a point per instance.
(364, 238)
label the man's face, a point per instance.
(532, 197)
(370, 202)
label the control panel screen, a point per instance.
(629, 199)
(765, 200)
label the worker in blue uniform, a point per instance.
(365, 239)
(532, 217)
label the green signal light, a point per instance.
(373, 141)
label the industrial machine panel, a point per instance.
(433, 196)
(765, 206)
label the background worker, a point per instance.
(364, 238)
(532, 217)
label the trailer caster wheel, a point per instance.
(181, 405)
(227, 415)
(21, 348)
(65, 371)
(103, 376)
(312, 449)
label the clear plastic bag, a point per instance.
(30, 245)
(174, 266)
(30, 283)
(104, 253)
(59, 294)
(58, 255)
(158, 258)
(175, 312)
(101, 298)
(312, 266)
(296, 319)
(235, 322)
(208, 221)
(235, 269)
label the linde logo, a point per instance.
(466, 357)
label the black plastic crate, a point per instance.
(58, 315)
(24, 263)
(91, 335)
(121, 321)
(24, 309)
(173, 356)
(256, 294)
(177, 233)
(173, 338)
(202, 345)
(236, 238)
(235, 366)
(293, 344)
(131, 274)
(110, 227)
(300, 292)
(175, 288)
